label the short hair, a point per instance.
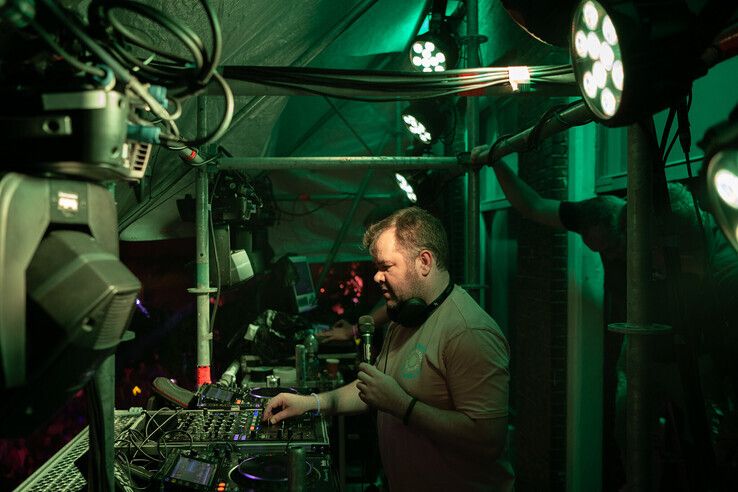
(415, 230)
(685, 222)
(609, 212)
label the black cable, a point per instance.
(163, 438)
(186, 75)
(500, 140)
(396, 85)
(668, 149)
(665, 134)
(79, 65)
(534, 137)
(224, 123)
(189, 39)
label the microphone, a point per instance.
(366, 328)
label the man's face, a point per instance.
(397, 277)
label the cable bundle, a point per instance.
(136, 62)
(391, 86)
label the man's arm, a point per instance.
(473, 437)
(522, 197)
(342, 330)
(344, 400)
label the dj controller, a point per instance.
(212, 396)
(223, 445)
(220, 469)
(198, 428)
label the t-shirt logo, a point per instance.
(414, 362)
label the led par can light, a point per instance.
(632, 59)
(429, 120)
(721, 160)
(434, 52)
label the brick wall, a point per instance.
(539, 353)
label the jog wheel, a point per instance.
(267, 468)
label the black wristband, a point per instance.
(406, 418)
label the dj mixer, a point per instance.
(200, 428)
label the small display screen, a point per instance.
(304, 283)
(219, 394)
(193, 471)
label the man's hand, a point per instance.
(381, 391)
(340, 332)
(291, 406)
(480, 155)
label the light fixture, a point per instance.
(423, 186)
(721, 160)
(633, 58)
(436, 50)
(428, 120)
(404, 183)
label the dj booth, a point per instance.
(222, 445)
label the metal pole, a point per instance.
(575, 115)
(472, 258)
(342, 162)
(641, 155)
(100, 395)
(202, 288)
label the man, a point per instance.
(440, 388)
(707, 286)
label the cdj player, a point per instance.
(212, 396)
(227, 469)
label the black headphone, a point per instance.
(413, 312)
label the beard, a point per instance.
(410, 289)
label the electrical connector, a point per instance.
(159, 93)
(144, 133)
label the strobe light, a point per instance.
(633, 58)
(721, 158)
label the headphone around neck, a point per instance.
(413, 312)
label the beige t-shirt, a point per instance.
(457, 360)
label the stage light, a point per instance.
(405, 186)
(721, 157)
(722, 187)
(422, 186)
(428, 120)
(67, 298)
(633, 58)
(436, 50)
